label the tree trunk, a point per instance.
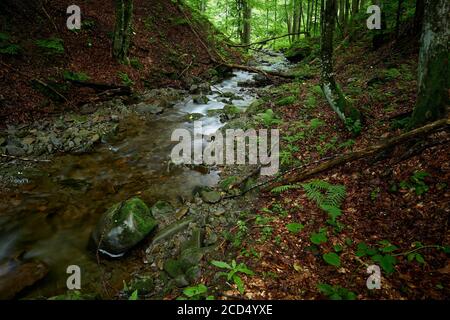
(433, 79)
(418, 15)
(397, 21)
(123, 29)
(331, 90)
(246, 22)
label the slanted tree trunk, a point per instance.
(123, 29)
(433, 79)
(333, 93)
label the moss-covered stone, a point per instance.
(123, 226)
(298, 51)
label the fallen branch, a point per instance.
(102, 87)
(37, 80)
(256, 70)
(265, 41)
(370, 151)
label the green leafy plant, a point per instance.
(332, 258)
(285, 188)
(336, 292)
(319, 237)
(7, 47)
(286, 101)
(324, 193)
(51, 45)
(136, 64)
(75, 76)
(198, 292)
(134, 295)
(416, 182)
(233, 270)
(316, 123)
(294, 227)
(125, 78)
(381, 255)
(268, 118)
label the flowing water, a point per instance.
(51, 216)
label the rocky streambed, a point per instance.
(100, 158)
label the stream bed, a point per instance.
(51, 215)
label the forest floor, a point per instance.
(396, 208)
(395, 212)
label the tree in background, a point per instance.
(246, 21)
(433, 80)
(123, 29)
(331, 90)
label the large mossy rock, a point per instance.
(298, 51)
(123, 226)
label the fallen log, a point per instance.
(103, 87)
(370, 151)
(262, 42)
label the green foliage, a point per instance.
(125, 78)
(285, 188)
(198, 292)
(316, 123)
(392, 74)
(336, 292)
(353, 126)
(232, 274)
(286, 101)
(227, 182)
(7, 47)
(311, 101)
(416, 182)
(332, 259)
(319, 237)
(268, 118)
(381, 255)
(324, 193)
(75, 76)
(134, 295)
(10, 49)
(295, 227)
(136, 64)
(51, 45)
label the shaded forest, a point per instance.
(353, 93)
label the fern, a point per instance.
(285, 188)
(327, 196)
(324, 193)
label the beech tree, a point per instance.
(331, 90)
(123, 29)
(433, 79)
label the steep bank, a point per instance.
(37, 48)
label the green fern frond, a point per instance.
(285, 188)
(335, 195)
(324, 193)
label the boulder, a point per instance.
(162, 209)
(14, 277)
(200, 99)
(122, 227)
(210, 196)
(298, 51)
